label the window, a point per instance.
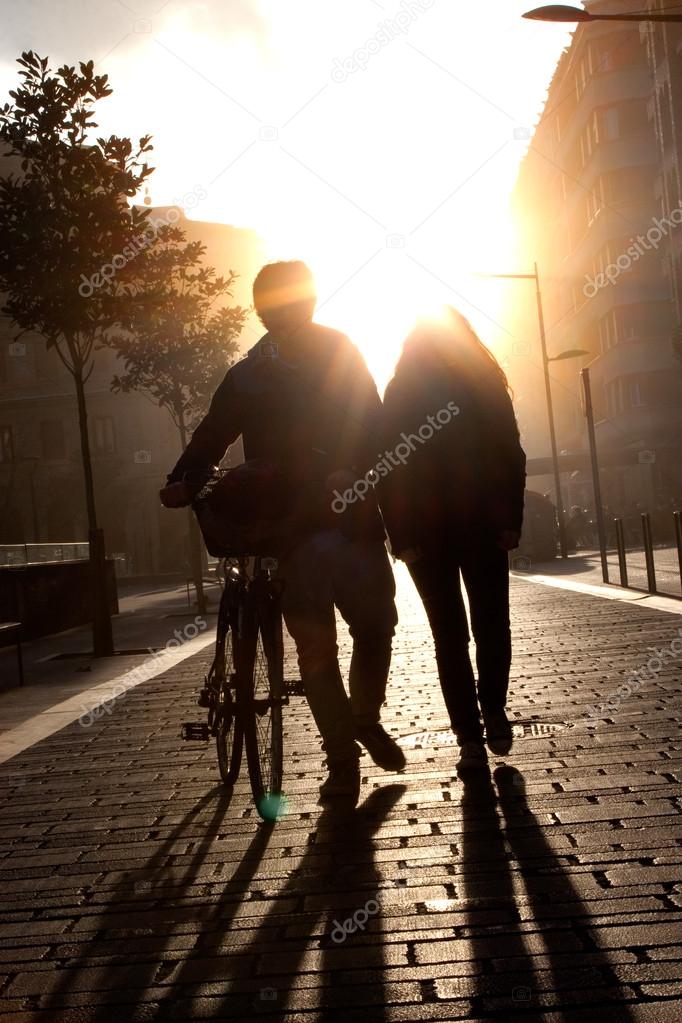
(614, 396)
(608, 331)
(6, 444)
(104, 435)
(627, 393)
(615, 50)
(609, 124)
(636, 388)
(52, 437)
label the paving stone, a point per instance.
(135, 889)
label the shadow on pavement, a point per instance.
(339, 861)
(574, 564)
(538, 966)
(147, 913)
(490, 897)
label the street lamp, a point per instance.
(560, 12)
(572, 353)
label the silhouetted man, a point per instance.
(303, 399)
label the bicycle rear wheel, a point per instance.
(261, 688)
(225, 722)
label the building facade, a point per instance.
(598, 206)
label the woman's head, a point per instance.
(453, 341)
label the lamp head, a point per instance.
(559, 12)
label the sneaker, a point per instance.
(472, 756)
(343, 782)
(498, 733)
(382, 748)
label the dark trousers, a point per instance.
(485, 571)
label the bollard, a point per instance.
(620, 544)
(678, 536)
(649, 553)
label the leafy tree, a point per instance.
(180, 337)
(63, 217)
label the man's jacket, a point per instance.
(312, 419)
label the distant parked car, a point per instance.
(539, 538)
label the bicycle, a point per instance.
(245, 690)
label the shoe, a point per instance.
(382, 748)
(472, 756)
(343, 782)
(498, 733)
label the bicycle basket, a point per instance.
(244, 510)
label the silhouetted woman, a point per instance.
(453, 505)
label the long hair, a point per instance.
(455, 342)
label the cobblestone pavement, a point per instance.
(134, 888)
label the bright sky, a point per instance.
(377, 139)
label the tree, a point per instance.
(63, 219)
(177, 344)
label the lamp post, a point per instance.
(572, 353)
(563, 13)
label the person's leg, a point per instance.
(485, 569)
(364, 592)
(308, 608)
(437, 581)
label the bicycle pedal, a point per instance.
(204, 698)
(197, 731)
(293, 687)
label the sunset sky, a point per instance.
(378, 140)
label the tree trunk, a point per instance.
(194, 536)
(102, 636)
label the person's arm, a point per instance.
(507, 465)
(219, 428)
(361, 413)
(393, 489)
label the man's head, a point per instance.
(284, 297)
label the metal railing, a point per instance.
(42, 553)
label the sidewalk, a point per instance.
(585, 567)
(59, 668)
(135, 889)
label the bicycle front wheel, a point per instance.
(261, 688)
(226, 723)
